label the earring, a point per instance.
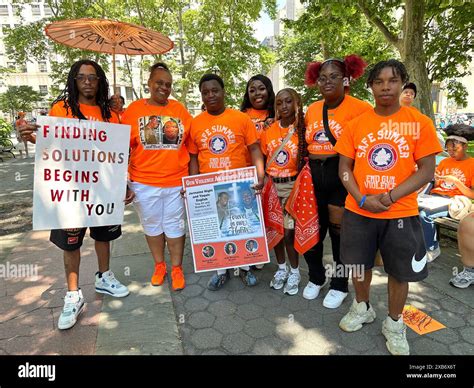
(345, 81)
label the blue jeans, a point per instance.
(427, 217)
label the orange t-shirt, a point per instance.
(461, 169)
(90, 112)
(158, 156)
(259, 118)
(318, 142)
(385, 149)
(221, 141)
(285, 164)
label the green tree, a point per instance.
(214, 34)
(19, 98)
(323, 32)
(432, 37)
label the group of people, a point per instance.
(365, 175)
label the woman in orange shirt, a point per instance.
(259, 102)
(453, 176)
(259, 105)
(155, 170)
(325, 122)
(283, 170)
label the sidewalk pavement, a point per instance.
(234, 320)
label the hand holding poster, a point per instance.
(80, 173)
(225, 220)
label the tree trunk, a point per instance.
(413, 55)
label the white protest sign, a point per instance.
(80, 173)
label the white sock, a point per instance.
(282, 266)
(295, 270)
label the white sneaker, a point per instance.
(334, 299)
(73, 306)
(279, 279)
(291, 286)
(311, 291)
(259, 266)
(395, 334)
(432, 255)
(107, 284)
(463, 279)
(357, 316)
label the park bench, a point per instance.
(6, 147)
(447, 223)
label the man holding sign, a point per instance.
(86, 98)
(220, 139)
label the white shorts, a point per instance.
(161, 209)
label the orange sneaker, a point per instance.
(159, 275)
(177, 278)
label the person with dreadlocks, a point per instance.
(283, 168)
(378, 153)
(85, 97)
(325, 122)
(454, 176)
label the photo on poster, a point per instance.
(160, 132)
(208, 251)
(237, 210)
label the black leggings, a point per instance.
(329, 191)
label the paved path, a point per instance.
(234, 320)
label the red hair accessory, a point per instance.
(312, 73)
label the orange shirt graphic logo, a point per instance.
(320, 137)
(382, 157)
(283, 158)
(218, 144)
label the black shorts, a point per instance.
(400, 241)
(71, 239)
(327, 185)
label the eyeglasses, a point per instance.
(84, 77)
(332, 78)
(452, 145)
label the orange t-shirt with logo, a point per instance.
(385, 149)
(285, 164)
(221, 141)
(158, 153)
(90, 112)
(318, 142)
(461, 169)
(260, 118)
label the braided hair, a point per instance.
(70, 95)
(351, 67)
(398, 68)
(299, 125)
(271, 95)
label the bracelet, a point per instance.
(390, 196)
(362, 201)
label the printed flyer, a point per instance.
(225, 220)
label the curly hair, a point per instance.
(398, 68)
(70, 95)
(351, 67)
(271, 95)
(462, 130)
(299, 124)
